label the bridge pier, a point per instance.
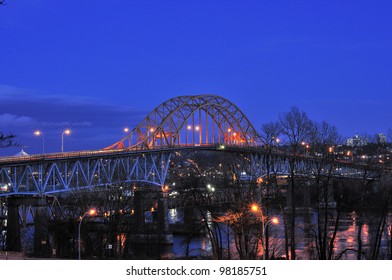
(163, 210)
(302, 196)
(139, 211)
(41, 243)
(327, 199)
(159, 231)
(13, 242)
(41, 232)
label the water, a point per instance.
(345, 245)
(199, 246)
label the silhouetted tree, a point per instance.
(323, 139)
(295, 126)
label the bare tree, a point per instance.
(323, 138)
(295, 126)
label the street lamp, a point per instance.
(90, 212)
(255, 208)
(39, 133)
(65, 132)
(188, 128)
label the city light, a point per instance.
(90, 212)
(65, 132)
(255, 208)
(38, 133)
(126, 129)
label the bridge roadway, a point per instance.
(57, 172)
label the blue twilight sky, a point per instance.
(98, 66)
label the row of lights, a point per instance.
(39, 133)
(190, 127)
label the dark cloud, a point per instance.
(95, 122)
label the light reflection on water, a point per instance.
(346, 237)
(200, 246)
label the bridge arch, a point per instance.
(192, 120)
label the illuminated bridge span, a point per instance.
(192, 120)
(204, 122)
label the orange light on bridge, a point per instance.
(152, 129)
(126, 129)
(197, 128)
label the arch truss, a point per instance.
(192, 121)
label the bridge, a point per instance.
(184, 123)
(205, 123)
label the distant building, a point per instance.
(356, 141)
(381, 138)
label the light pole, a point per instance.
(189, 127)
(39, 133)
(90, 212)
(65, 132)
(264, 223)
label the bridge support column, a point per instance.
(139, 211)
(157, 232)
(41, 232)
(163, 221)
(327, 199)
(13, 226)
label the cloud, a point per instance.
(14, 120)
(61, 110)
(94, 122)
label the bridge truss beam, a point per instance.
(47, 177)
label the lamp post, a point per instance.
(189, 127)
(90, 212)
(65, 132)
(39, 133)
(264, 223)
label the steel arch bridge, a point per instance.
(192, 120)
(180, 123)
(202, 122)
